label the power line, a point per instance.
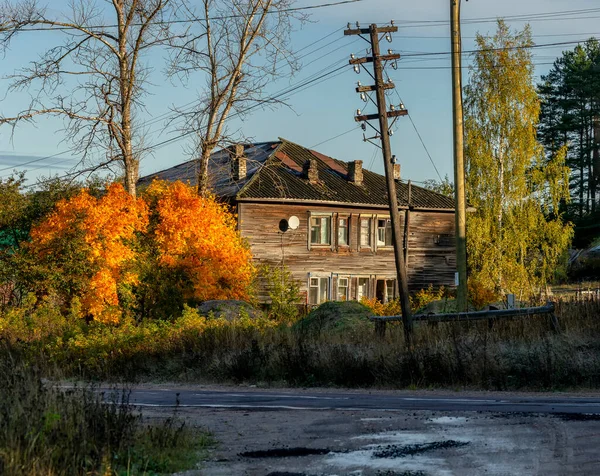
(420, 138)
(187, 106)
(333, 138)
(292, 90)
(189, 20)
(506, 48)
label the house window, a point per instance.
(343, 287)
(384, 232)
(389, 290)
(365, 232)
(444, 240)
(320, 230)
(318, 290)
(363, 288)
(343, 226)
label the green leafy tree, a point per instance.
(516, 237)
(445, 186)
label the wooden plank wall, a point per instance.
(428, 262)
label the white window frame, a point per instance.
(340, 279)
(385, 228)
(368, 293)
(319, 280)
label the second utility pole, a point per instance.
(382, 115)
(459, 162)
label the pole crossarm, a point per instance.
(390, 57)
(366, 89)
(371, 117)
(366, 31)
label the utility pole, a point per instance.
(384, 134)
(459, 162)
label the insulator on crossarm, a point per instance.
(358, 112)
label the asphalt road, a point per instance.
(290, 400)
(298, 432)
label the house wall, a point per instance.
(431, 252)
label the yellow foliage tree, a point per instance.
(198, 236)
(98, 233)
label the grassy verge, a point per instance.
(49, 431)
(517, 354)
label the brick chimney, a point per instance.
(310, 171)
(355, 172)
(239, 168)
(396, 171)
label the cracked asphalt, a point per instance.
(274, 437)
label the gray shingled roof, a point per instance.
(275, 173)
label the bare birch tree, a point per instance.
(95, 79)
(237, 48)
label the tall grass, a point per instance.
(51, 431)
(523, 353)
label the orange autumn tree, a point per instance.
(198, 237)
(87, 246)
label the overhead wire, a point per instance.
(164, 116)
(189, 20)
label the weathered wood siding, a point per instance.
(431, 252)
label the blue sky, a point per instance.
(326, 109)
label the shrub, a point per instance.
(284, 293)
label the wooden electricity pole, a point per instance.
(459, 163)
(380, 86)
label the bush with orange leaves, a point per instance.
(195, 244)
(85, 248)
(147, 256)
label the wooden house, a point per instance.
(338, 246)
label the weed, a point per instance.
(79, 431)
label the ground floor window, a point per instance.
(318, 291)
(363, 288)
(343, 289)
(384, 289)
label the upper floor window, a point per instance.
(320, 230)
(343, 227)
(384, 232)
(365, 232)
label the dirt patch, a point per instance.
(402, 451)
(285, 452)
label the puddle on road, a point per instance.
(285, 452)
(448, 420)
(402, 451)
(578, 416)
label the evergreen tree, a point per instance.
(570, 116)
(516, 237)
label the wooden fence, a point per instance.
(490, 316)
